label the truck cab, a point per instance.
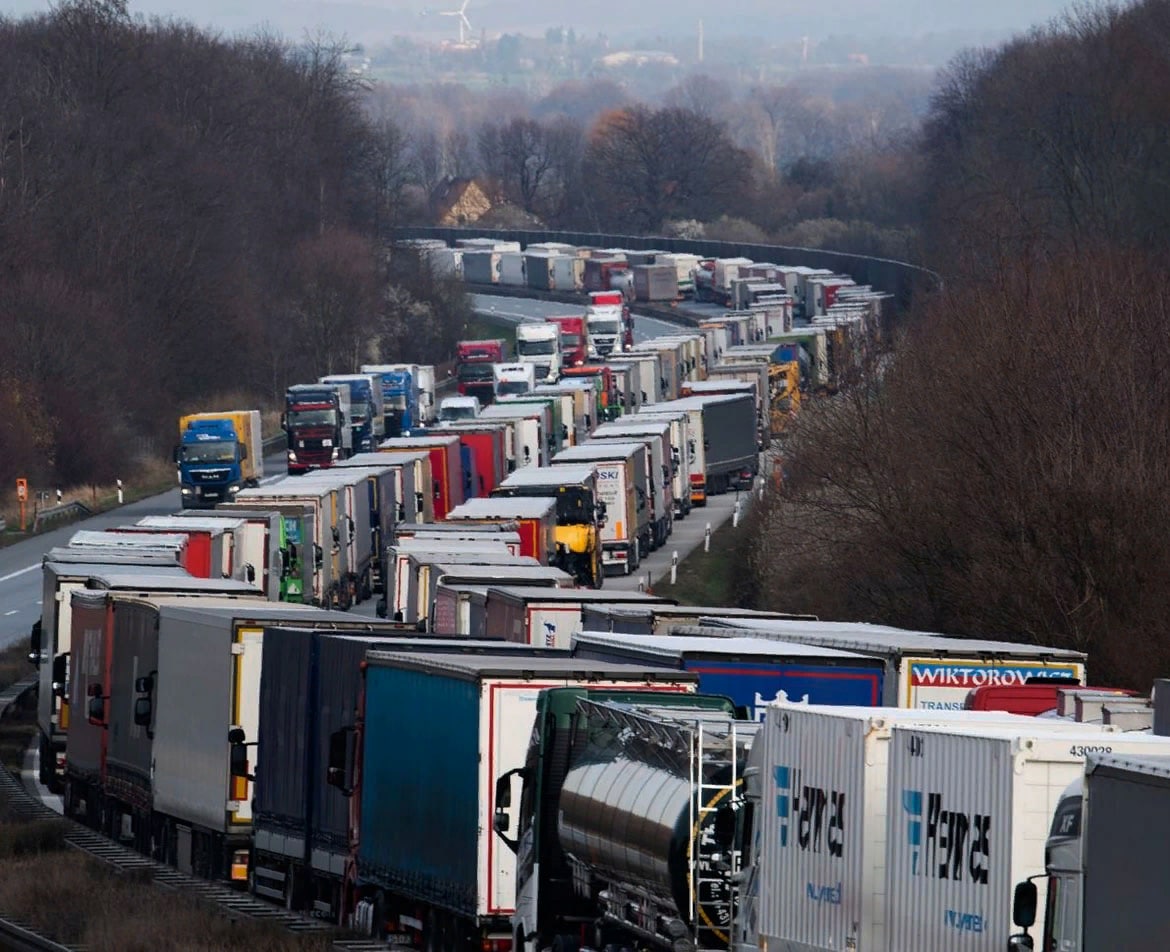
(539, 344)
(473, 368)
(458, 409)
(367, 408)
(573, 339)
(513, 378)
(315, 421)
(604, 323)
(218, 455)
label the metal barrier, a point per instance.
(64, 511)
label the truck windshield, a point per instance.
(603, 327)
(469, 372)
(570, 340)
(512, 386)
(311, 418)
(527, 348)
(210, 451)
(457, 413)
(574, 506)
(396, 402)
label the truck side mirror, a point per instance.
(243, 451)
(34, 643)
(96, 708)
(142, 711)
(283, 421)
(340, 769)
(1024, 905)
(318, 557)
(527, 455)
(175, 453)
(501, 821)
(250, 572)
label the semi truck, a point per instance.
(922, 669)
(573, 338)
(603, 324)
(367, 404)
(400, 397)
(626, 821)
(425, 868)
(548, 617)
(512, 378)
(539, 344)
(752, 673)
(446, 467)
(621, 481)
(656, 435)
(581, 514)
(316, 423)
(473, 367)
(218, 454)
(535, 520)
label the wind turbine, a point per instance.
(464, 23)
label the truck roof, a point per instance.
(506, 572)
(122, 579)
(95, 568)
(1140, 768)
(347, 378)
(417, 442)
(626, 425)
(474, 667)
(128, 540)
(549, 476)
(857, 636)
(365, 461)
(192, 522)
(216, 609)
(602, 450)
(698, 402)
(698, 646)
(578, 595)
(504, 507)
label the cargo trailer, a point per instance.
(548, 617)
(535, 519)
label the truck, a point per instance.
(446, 467)
(529, 438)
(682, 453)
(539, 344)
(548, 617)
(473, 366)
(513, 378)
(816, 873)
(922, 669)
(425, 868)
(218, 454)
(581, 515)
(367, 404)
(382, 481)
(627, 813)
(603, 324)
(316, 423)
(400, 397)
(656, 282)
(456, 409)
(573, 338)
(621, 486)
(729, 440)
(358, 531)
(423, 383)
(752, 673)
(656, 435)
(658, 619)
(486, 441)
(608, 399)
(182, 675)
(535, 519)
(309, 687)
(51, 641)
(255, 551)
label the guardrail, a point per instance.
(65, 510)
(275, 444)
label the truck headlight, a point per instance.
(233, 489)
(292, 457)
(185, 491)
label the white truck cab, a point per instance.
(539, 344)
(514, 378)
(455, 409)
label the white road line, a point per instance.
(13, 612)
(24, 571)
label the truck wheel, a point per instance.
(597, 573)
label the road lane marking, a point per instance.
(24, 571)
(13, 612)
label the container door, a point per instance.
(247, 652)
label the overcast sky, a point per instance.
(374, 20)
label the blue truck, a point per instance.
(218, 454)
(366, 408)
(748, 672)
(400, 396)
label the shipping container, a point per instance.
(969, 812)
(655, 282)
(751, 673)
(663, 619)
(446, 468)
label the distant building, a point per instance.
(460, 201)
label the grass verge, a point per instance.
(708, 578)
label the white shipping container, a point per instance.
(513, 271)
(821, 853)
(969, 814)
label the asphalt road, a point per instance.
(20, 577)
(515, 310)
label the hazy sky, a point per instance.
(372, 20)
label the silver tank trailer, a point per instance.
(625, 821)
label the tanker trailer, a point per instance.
(647, 819)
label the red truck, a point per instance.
(535, 519)
(446, 467)
(574, 340)
(473, 367)
(618, 298)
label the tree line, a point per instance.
(184, 221)
(1002, 476)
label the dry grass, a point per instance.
(77, 901)
(14, 664)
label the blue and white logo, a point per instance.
(783, 777)
(912, 804)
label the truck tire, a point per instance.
(596, 572)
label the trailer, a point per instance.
(549, 617)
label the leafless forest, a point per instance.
(1005, 476)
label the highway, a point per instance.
(20, 578)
